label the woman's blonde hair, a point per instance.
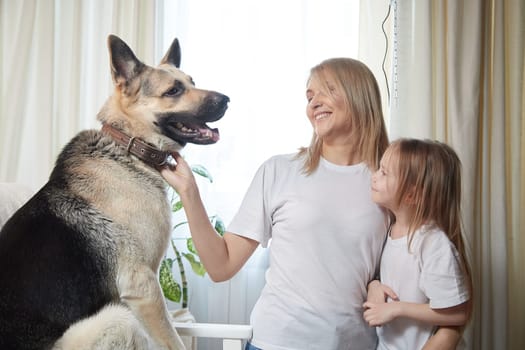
(429, 179)
(363, 103)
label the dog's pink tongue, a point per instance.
(211, 134)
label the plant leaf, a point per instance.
(170, 287)
(191, 246)
(219, 226)
(202, 171)
(176, 206)
(196, 265)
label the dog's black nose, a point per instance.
(215, 106)
(223, 98)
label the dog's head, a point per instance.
(159, 105)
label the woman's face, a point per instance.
(326, 110)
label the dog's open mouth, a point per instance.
(193, 132)
(191, 127)
(185, 128)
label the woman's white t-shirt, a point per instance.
(430, 272)
(326, 239)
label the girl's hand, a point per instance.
(377, 314)
(377, 310)
(379, 292)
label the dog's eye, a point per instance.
(174, 91)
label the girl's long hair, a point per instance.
(430, 181)
(363, 103)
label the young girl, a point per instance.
(424, 272)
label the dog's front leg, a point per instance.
(140, 290)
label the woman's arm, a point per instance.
(223, 256)
(377, 314)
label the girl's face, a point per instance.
(326, 110)
(385, 181)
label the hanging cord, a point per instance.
(386, 52)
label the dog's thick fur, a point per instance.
(79, 260)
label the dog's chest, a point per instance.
(124, 190)
(144, 214)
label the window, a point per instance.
(259, 54)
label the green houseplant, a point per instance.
(172, 289)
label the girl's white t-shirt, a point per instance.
(326, 239)
(429, 273)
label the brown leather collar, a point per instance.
(144, 151)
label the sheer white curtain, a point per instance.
(459, 77)
(55, 74)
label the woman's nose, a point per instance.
(316, 101)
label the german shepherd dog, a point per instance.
(79, 260)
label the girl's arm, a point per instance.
(446, 338)
(377, 314)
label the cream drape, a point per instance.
(511, 16)
(458, 76)
(55, 74)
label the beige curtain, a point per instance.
(55, 74)
(458, 76)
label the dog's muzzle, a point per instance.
(190, 127)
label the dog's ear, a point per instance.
(173, 55)
(124, 64)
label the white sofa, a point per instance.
(12, 196)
